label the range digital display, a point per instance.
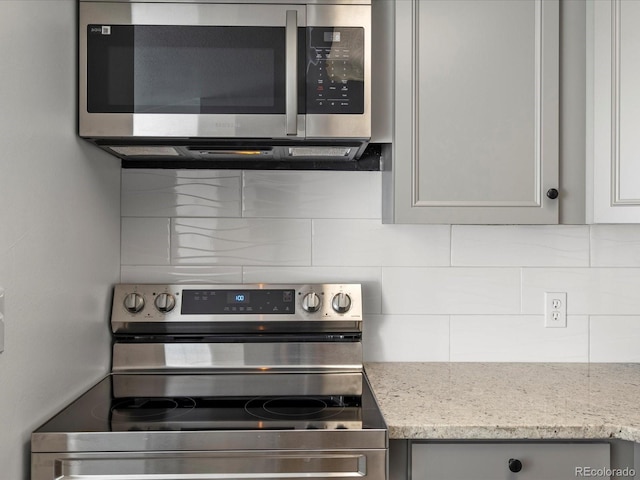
(239, 297)
(221, 302)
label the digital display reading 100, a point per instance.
(238, 297)
(229, 302)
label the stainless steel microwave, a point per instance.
(209, 79)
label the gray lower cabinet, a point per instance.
(476, 113)
(509, 461)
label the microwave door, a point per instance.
(193, 70)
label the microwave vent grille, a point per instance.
(147, 151)
(319, 151)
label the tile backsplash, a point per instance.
(431, 292)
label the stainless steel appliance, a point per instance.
(209, 80)
(224, 381)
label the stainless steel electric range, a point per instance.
(224, 382)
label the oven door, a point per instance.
(190, 70)
(336, 465)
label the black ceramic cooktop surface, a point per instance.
(99, 411)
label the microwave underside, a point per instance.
(248, 154)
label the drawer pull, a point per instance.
(515, 465)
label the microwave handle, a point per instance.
(291, 73)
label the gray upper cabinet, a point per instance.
(613, 111)
(476, 113)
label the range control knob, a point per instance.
(341, 302)
(133, 302)
(311, 302)
(165, 302)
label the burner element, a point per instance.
(144, 409)
(301, 408)
(291, 406)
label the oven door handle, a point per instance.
(219, 466)
(291, 73)
(213, 476)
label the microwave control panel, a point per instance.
(335, 70)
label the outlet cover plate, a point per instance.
(555, 309)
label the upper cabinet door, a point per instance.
(476, 132)
(613, 111)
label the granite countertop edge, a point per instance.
(500, 401)
(536, 432)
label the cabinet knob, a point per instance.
(552, 193)
(515, 465)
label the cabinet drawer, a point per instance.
(490, 461)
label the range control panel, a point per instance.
(236, 302)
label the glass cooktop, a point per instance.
(99, 411)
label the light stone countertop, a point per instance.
(508, 400)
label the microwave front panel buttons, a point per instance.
(335, 70)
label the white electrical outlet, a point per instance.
(555, 309)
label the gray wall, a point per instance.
(59, 228)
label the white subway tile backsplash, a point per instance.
(615, 339)
(615, 245)
(450, 290)
(309, 194)
(145, 241)
(369, 277)
(431, 292)
(174, 274)
(406, 338)
(181, 193)
(517, 338)
(517, 245)
(250, 241)
(369, 242)
(590, 291)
